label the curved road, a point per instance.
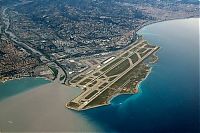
(15, 39)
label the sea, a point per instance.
(168, 99)
(17, 86)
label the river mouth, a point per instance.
(17, 86)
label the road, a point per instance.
(29, 49)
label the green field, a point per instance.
(92, 84)
(84, 82)
(150, 46)
(91, 94)
(124, 78)
(103, 98)
(146, 52)
(112, 78)
(134, 58)
(103, 85)
(77, 79)
(111, 64)
(135, 74)
(119, 69)
(125, 54)
(97, 74)
(72, 104)
(142, 50)
(140, 45)
(102, 77)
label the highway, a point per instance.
(29, 49)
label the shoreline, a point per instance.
(136, 30)
(160, 21)
(157, 58)
(21, 90)
(147, 24)
(153, 62)
(108, 102)
(29, 110)
(23, 77)
(77, 104)
(116, 95)
(26, 111)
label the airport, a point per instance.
(112, 76)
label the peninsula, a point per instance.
(119, 74)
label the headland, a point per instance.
(119, 74)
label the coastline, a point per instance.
(153, 62)
(119, 94)
(137, 109)
(76, 104)
(26, 111)
(159, 21)
(16, 78)
(146, 24)
(108, 102)
(18, 86)
(136, 30)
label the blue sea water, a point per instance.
(168, 101)
(13, 87)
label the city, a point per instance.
(99, 66)
(60, 36)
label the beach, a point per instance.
(42, 109)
